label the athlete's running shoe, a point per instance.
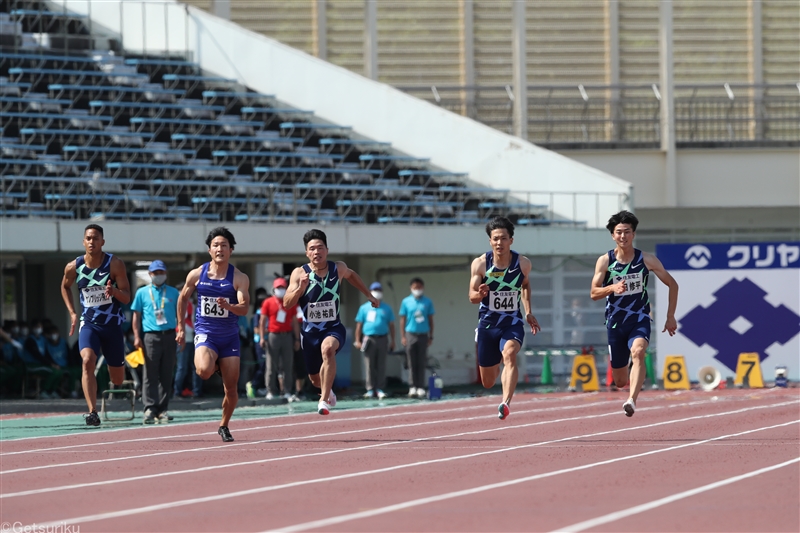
(332, 399)
(629, 407)
(92, 419)
(503, 411)
(225, 433)
(324, 408)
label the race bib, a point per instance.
(633, 283)
(95, 296)
(161, 317)
(211, 309)
(200, 338)
(321, 311)
(504, 301)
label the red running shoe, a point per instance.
(503, 411)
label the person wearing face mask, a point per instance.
(280, 337)
(259, 355)
(154, 312)
(58, 352)
(38, 363)
(377, 326)
(416, 330)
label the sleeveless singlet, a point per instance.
(501, 308)
(634, 304)
(320, 303)
(97, 308)
(210, 318)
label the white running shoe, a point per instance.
(412, 392)
(381, 394)
(629, 407)
(270, 396)
(323, 408)
(332, 399)
(421, 393)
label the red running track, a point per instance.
(560, 461)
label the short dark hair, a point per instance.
(623, 217)
(94, 227)
(315, 234)
(221, 231)
(417, 280)
(500, 223)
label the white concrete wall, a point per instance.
(374, 110)
(752, 177)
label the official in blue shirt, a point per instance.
(377, 326)
(416, 330)
(154, 312)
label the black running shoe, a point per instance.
(92, 419)
(225, 433)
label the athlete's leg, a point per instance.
(205, 360)
(229, 367)
(638, 371)
(489, 355)
(510, 370)
(117, 374)
(620, 376)
(88, 380)
(327, 372)
(489, 375)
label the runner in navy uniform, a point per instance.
(316, 287)
(497, 280)
(621, 277)
(216, 341)
(103, 286)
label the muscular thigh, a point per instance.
(204, 357)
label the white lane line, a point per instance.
(613, 517)
(260, 490)
(333, 420)
(326, 522)
(225, 447)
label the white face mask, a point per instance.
(280, 293)
(54, 337)
(417, 293)
(159, 279)
(378, 295)
(37, 331)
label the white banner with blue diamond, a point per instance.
(733, 298)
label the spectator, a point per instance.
(154, 311)
(10, 364)
(58, 352)
(255, 384)
(416, 330)
(377, 326)
(186, 360)
(282, 333)
(38, 363)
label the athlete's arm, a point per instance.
(356, 281)
(183, 300)
(70, 274)
(525, 267)
(122, 292)
(598, 291)
(242, 285)
(298, 282)
(477, 289)
(654, 265)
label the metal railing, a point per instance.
(628, 116)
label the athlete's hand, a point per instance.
(223, 303)
(374, 301)
(303, 281)
(109, 289)
(180, 338)
(671, 326)
(533, 323)
(483, 290)
(73, 318)
(137, 342)
(619, 288)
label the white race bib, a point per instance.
(321, 311)
(504, 301)
(211, 309)
(95, 296)
(633, 283)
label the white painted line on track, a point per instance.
(613, 517)
(467, 492)
(318, 420)
(260, 490)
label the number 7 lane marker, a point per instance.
(613, 517)
(270, 488)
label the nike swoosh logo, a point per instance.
(224, 284)
(634, 267)
(102, 273)
(510, 271)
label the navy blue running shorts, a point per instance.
(492, 340)
(620, 340)
(106, 340)
(227, 346)
(311, 344)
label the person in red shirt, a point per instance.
(280, 337)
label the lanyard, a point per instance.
(163, 295)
